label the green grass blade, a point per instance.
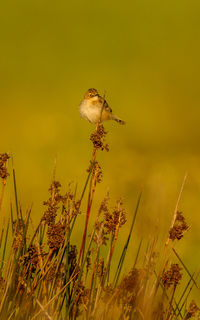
(12, 218)
(15, 192)
(184, 266)
(5, 243)
(138, 252)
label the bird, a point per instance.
(95, 108)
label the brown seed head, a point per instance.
(56, 236)
(3, 165)
(96, 171)
(172, 276)
(30, 260)
(193, 309)
(98, 138)
(179, 227)
(116, 218)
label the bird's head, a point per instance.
(91, 93)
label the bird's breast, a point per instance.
(89, 111)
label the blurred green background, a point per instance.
(145, 56)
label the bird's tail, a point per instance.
(120, 121)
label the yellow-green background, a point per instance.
(145, 56)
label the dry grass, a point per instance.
(43, 275)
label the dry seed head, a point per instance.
(2, 285)
(56, 236)
(31, 259)
(3, 165)
(193, 309)
(53, 203)
(100, 234)
(179, 227)
(129, 289)
(18, 236)
(101, 269)
(172, 276)
(96, 171)
(81, 299)
(130, 282)
(98, 138)
(104, 205)
(116, 218)
(88, 261)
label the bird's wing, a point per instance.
(105, 104)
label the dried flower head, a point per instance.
(101, 269)
(30, 260)
(19, 233)
(3, 165)
(2, 285)
(80, 300)
(100, 233)
(96, 171)
(56, 236)
(129, 290)
(115, 219)
(179, 227)
(88, 261)
(104, 205)
(54, 202)
(193, 309)
(130, 282)
(172, 276)
(98, 138)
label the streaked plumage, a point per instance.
(94, 108)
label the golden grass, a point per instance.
(44, 275)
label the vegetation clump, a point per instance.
(45, 275)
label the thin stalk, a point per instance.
(95, 271)
(111, 245)
(121, 261)
(183, 293)
(12, 218)
(185, 300)
(87, 180)
(15, 191)
(67, 268)
(2, 193)
(5, 243)
(94, 281)
(2, 232)
(168, 239)
(89, 206)
(137, 254)
(186, 269)
(170, 304)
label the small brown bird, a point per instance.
(94, 108)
